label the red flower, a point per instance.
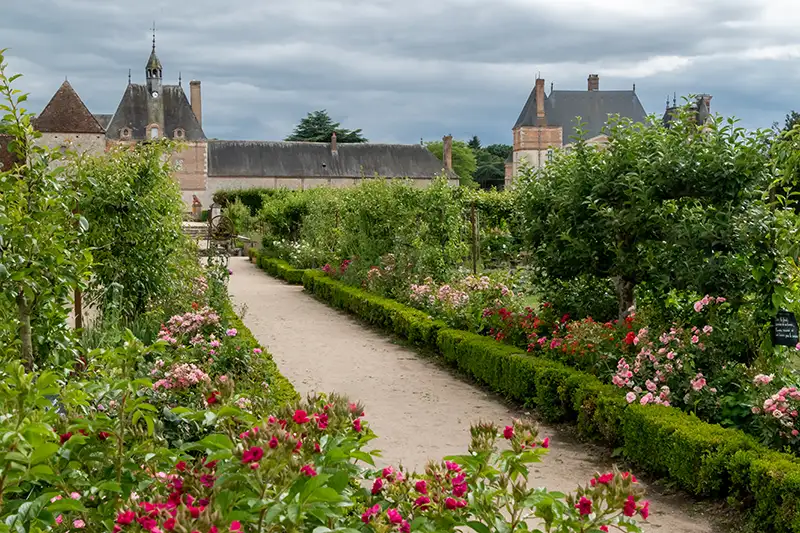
(584, 506)
(405, 527)
(273, 442)
(394, 516)
(421, 486)
(103, 435)
(604, 528)
(169, 524)
(605, 479)
(211, 465)
(300, 417)
(508, 432)
(65, 437)
(212, 399)
(125, 517)
(236, 525)
(546, 442)
(357, 425)
(630, 337)
(629, 509)
(195, 511)
(308, 470)
(181, 466)
(207, 480)
(422, 502)
(377, 486)
(253, 455)
(317, 449)
(452, 503)
(644, 510)
(626, 475)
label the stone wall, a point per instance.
(90, 143)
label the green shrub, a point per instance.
(253, 198)
(701, 458)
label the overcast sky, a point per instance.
(410, 69)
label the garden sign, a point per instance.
(784, 329)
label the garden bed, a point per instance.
(701, 458)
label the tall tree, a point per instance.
(463, 159)
(318, 127)
(672, 207)
(474, 143)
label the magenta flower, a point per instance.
(584, 506)
(394, 516)
(308, 470)
(508, 432)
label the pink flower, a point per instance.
(698, 306)
(308, 470)
(452, 466)
(75, 496)
(257, 351)
(584, 506)
(231, 332)
(695, 339)
(422, 502)
(377, 486)
(394, 516)
(631, 397)
(421, 486)
(405, 527)
(508, 432)
(369, 513)
(78, 524)
(300, 417)
(629, 509)
(644, 510)
(546, 442)
(452, 503)
(236, 525)
(357, 425)
(253, 455)
(59, 519)
(698, 382)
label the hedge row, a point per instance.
(281, 391)
(703, 459)
(280, 269)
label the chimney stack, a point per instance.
(540, 101)
(334, 147)
(447, 152)
(594, 82)
(196, 101)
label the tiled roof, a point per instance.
(306, 159)
(132, 113)
(66, 113)
(594, 107)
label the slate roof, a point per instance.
(103, 119)
(307, 159)
(594, 107)
(66, 113)
(132, 113)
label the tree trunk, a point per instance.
(625, 291)
(25, 334)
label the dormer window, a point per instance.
(125, 133)
(179, 133)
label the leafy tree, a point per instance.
(464, 163)
(502, 151)
(673, 208)
(41, 258)
(491, 163)
(474, 143)
(319, 127)
(135, 209)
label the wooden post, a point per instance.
(78, 309)
(474, 220)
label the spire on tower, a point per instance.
(129, 76)
(180, 75)
(154, 35)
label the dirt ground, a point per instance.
(418, 408)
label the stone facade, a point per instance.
(154, 109)
(548, 121)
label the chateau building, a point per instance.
(154, 110)
(548, 121)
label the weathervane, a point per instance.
(154, 35)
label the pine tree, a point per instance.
(319, 127)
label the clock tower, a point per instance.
(155, 98)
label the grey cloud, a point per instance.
(401, 70)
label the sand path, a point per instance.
(418, 408)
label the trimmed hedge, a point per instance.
(281, 269)
(703, 459)
(281, 391)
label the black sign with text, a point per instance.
(784, 329)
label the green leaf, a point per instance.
(110, 486)
(66, 504)
(218, 442)
(480, 528)
(362, 456)
(43, 452)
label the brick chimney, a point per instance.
(197, 102)
(540, 100)
(334, 146)
(594, 82)
(447, 152)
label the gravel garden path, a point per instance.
(418, 408)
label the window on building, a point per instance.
(180, 133)
(179, 164)
(125, 133)
(549, 154)
(154, 132)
